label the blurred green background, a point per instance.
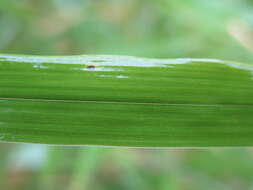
(220, 29)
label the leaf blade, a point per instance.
(196, 104)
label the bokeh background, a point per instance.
(220, 29)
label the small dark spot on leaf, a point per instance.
(91, 67)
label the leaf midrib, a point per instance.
(123, 102)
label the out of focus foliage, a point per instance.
(149, 28)
(163, 28)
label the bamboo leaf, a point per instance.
(125, 101)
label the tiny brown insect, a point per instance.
(90, 67)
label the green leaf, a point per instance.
(125, 101)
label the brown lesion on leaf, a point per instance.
(90, 67)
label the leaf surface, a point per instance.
(125, 101)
